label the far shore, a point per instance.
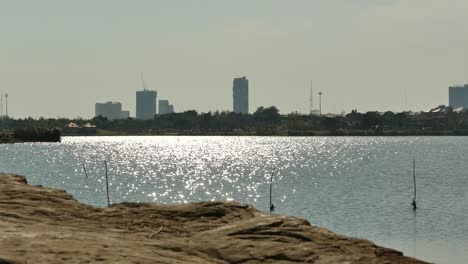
(10, 139)
(318, 133)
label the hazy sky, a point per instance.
(58, 58)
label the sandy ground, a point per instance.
(43, 225)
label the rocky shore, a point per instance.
(43, 225)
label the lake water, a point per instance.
(356, 186)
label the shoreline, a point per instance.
(44, 225)
(318, 133)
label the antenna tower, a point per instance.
(311, 99)
(320, 103)
(6, 103)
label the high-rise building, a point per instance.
(111, 110)
(146, 104)
(458, 96)
(171, 108)
(241, 95)
(163, 107)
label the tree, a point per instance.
(270, 114)
(331, 123)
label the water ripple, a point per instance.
(359, 186)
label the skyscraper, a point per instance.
(146, 104)
(241, 95)
(163, 107)
(458, 96)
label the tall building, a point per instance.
(458, 96)
(241, 95)
(163, 107)
(111, 110)
(146, 104)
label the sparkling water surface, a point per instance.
(356, 186)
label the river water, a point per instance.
(356, 186)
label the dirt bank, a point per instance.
(42, 225)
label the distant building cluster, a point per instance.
(111, 110)
(458, 101)
(145, 107)
(241, 95)
(458, 96)
(165, 107)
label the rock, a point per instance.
(43, 225)
(6, 261)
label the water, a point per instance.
(356, 186)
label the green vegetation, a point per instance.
(7, 138)
(31, 134)
(264, 121)
(34, 134)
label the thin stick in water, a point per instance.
(107, 186)
(414, 180)
(272, 206)
(84, 169)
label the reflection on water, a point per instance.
(353, 185)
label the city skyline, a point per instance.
(59, 58)
(169, 108)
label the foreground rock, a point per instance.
(42, 225)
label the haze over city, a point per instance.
(60, 57)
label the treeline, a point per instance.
(268, 121)
(263, 121)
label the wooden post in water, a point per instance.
(84, 169)
(414, 180)
(107, 186)
(272, 206)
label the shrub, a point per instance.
(34, 134)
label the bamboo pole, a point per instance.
(107, 186)
(272, 206)
(414, 185)
(84, 169)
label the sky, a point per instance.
(60, 57)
